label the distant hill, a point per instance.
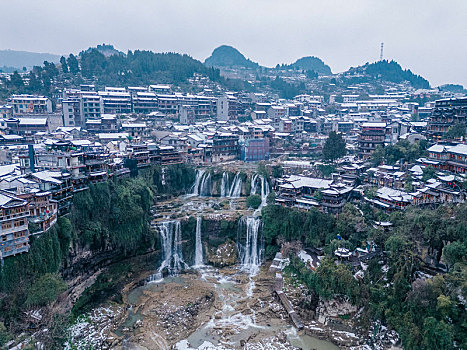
(105, 49)
(311, 63)
(228, 56)
(20, 59)
(455, 88)
(391, 71)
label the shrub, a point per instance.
(253, 201)
(45, 290)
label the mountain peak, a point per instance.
(311, 63)
(228, 56)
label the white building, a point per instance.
(23, 104)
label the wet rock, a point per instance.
(226, 254)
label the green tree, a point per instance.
(377, 157)
(334, 147)
(277, 171)
(454, 252)
(428, 173)
(5, 336)
(437, 335)
(271, 198)
(456, 131)
(253, 201)
(408, 187)
(73, 64)
(45, 290)
(64, 64)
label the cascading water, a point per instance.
(205, 186)
(252, 251)
(236, 188)
(202, 185)
(171, 239)
(264, 190)
(254, 184)
(198, 244)
(225, 184)
(195, 187)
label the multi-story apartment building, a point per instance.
(167, 104)
(91, 106)
(144, 102)
(72, 113)
(116, 101)
(187, 114)
(225, 147)
(371, 136)
(350, 98)
(447, 113)
(275, 113)
(23, 104)
(14, 232)
(253, 150)
(160, 89)
(227, 108)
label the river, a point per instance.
(243, 314)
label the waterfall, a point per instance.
(251, 253)
(171, 239)
(236, 188)
(202, 185)
(225, 184)
(195, 187)
(205, 187)
(198, 244)
(254, 184)
(264, 190)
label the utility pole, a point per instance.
(381, 53)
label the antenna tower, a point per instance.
(381, 53)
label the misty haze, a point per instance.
(223, 175)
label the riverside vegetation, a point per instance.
(113, 218)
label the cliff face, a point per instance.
(214, 235)
(83, 267)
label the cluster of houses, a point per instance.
(388, 187)
(49, 151)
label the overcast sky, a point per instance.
(427, 36)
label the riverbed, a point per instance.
(210, 309)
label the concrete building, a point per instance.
(72, 113)
(115, 101)
(91, 106)
(187, 114)
(23, 104)
(275, 113)
(253, 150)
(144, 102)
(225, 147)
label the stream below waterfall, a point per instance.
(243, 315)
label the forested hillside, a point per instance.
(111, 218)
(309, 63)
(92, 66)
(427, 313)
(391, 71)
